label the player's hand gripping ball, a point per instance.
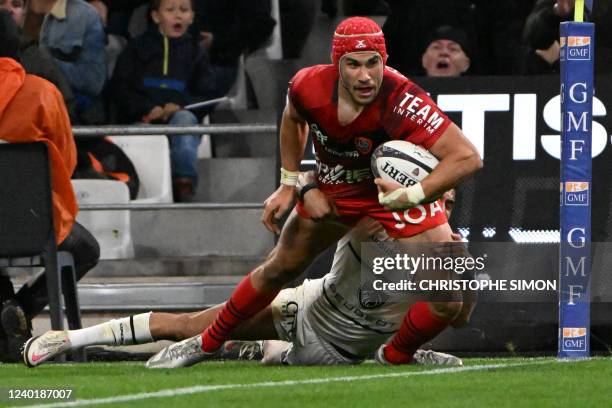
(404, 163)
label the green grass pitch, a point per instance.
(542, 382)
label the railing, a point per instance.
(139, 130)
(164, 130)
(171, 206)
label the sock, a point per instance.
(116, 332)
(245, 302)
(419, 325)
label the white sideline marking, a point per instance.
(207, 388)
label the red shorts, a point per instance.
(398, 224)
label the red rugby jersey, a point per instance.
(401, 110)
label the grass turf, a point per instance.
(529, 383)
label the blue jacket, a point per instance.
(154, 70)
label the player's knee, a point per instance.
(447, 311)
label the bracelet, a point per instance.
(306, 189)
(288, 177)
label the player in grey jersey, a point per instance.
(323, 321)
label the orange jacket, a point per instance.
(32, 109)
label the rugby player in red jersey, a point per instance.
(350, 107)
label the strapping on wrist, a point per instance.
(288, 177)
(402, 198)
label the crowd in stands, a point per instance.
(112, 67)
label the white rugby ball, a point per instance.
(402, 162)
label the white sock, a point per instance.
(116, 332)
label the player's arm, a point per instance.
(316, 203)
(459, 159)
(293, 137)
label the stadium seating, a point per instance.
(112, 229)
(151, 157)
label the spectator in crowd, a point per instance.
(72, 30)
(228, 30)
(119, 13)
(365, 7)
(541, 35)
(156, 75)
(297, 18)
(37, 60)
(32, 109)
(446, 53)
(491, 27)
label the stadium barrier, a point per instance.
(169, 130)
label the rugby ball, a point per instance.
(402, 162)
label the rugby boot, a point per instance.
(39, 349)
(182, 354)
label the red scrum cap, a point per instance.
(357, 34)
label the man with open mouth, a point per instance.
(446, 53)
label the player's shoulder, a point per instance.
(313, 85)
(394, 81)
(316, 73)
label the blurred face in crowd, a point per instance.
(173, 17)
(445, 58)
(17, 8)
(361, 74)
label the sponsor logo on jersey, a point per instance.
(339, 175)
(576, 193)
(574, 339)
(289, 311)
(578, 48)
(318, 134)
(371, 299)
(354, 312)
(417, 110)
(364, 145)
(348, 153)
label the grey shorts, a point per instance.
(303, 345)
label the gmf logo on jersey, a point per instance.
(574, 339)
(576, 193)
(363, 145)
(578, 48)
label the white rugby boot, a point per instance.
(423, 357)
(39, 349)
(182, 354)
(430, 357)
